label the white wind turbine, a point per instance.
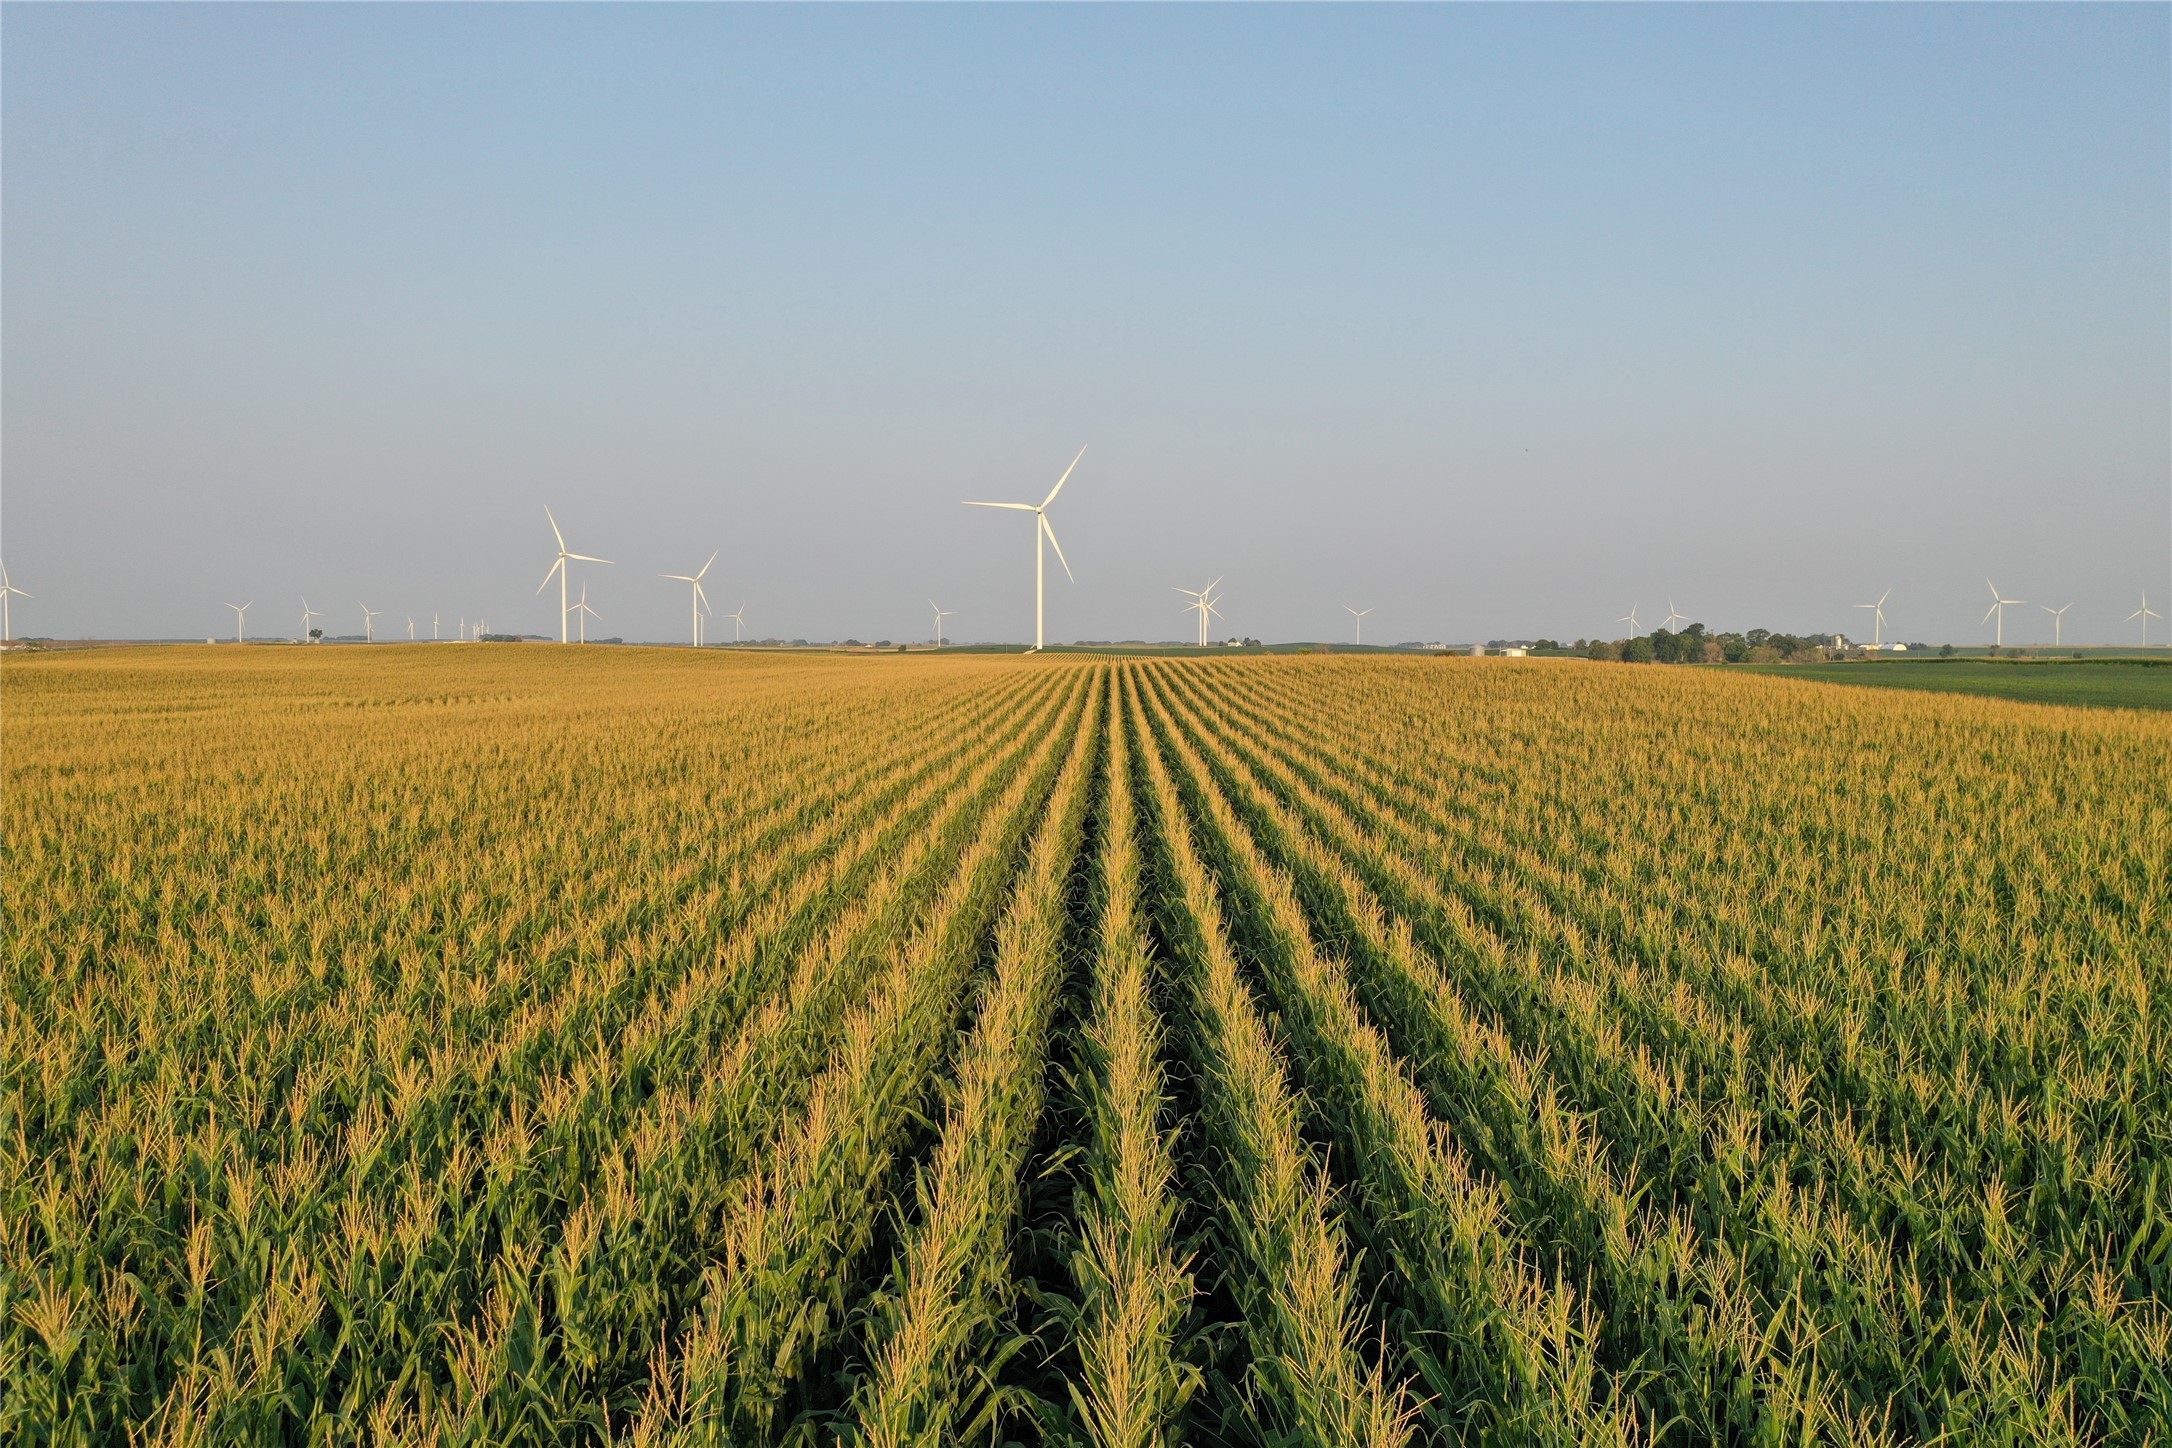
(697, 601)
(2145, 613)
(369, 628)
(1630, 618)
(1041, 530)
(1999, 605)
(410, 628)
(241, 614)
(739, 623)
(1672, 616)
(433, 628)
(2058, 617)
(1877, 610)
(8, 591)
(1202, 600)
(308, 613)
(941, 613)
(1359, 615)
(584, 611)
(562, 573)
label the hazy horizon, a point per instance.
(1495, 320)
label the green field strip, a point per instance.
(2078, 683)
(941, 1332)
(1132, 1280)
(1310, 1380)
(1506, 1355)
(783, 1280)
(2112, 1352)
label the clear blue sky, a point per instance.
(1493, 319)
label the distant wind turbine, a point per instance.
(697, 601)
(433, 628)
(941, 613)
(369, 629)
(2058, 617)
(308, 613)
(1040, 566)
(1359, 615)
(1672, 616)
(1202, 600)
(1999, 605)
(1630, 618)
(1878, 614)
(241, 614)
(411, 628)
(8, 591)
(739, 623)
(562, 573)
(584, 611)
(2145, 613)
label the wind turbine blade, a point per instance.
(556, 564)
(1062, 480)
(1883, 597)
(1987, 583)
(1051, 532)
(1994, 608)
(583, 557)
(1021, 507)
(705, 566)
(554, 528)
(676, 577)
(703, 598)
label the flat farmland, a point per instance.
(481, 1044)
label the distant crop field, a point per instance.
(566, 1046)
(2100, 685)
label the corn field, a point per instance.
(539, 1046)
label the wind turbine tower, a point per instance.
(2145, 613)
(9, 591)
(2058, 617)
(739, 623)
(1878, 614)
(697, 601)
(941, 613)
(1672, 617)
(561, 572)
(308, 613)
(1042, 530)
(1999, 605)
(584, 611)
(1630, 618)
(241, 614)
(369, 626)
(1359, 615)
(1202, 600)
